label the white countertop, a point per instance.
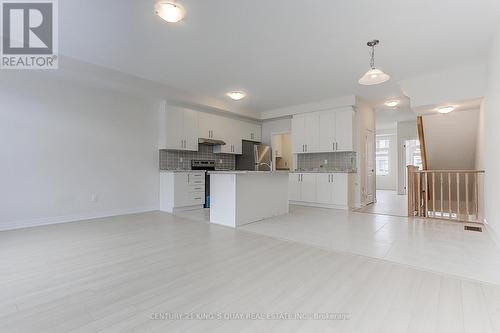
(183, 171)
(241, 172)
(324, 171)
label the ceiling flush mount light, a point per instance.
(392, 103)
(446, 109)
(236, 95)
(374, 75)
(170, 11)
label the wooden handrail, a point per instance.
(445, 194)
(421, 138)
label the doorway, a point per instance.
(369, 167)
(282, 157)
(411, 156)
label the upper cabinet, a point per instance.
(325, 131)
(251, 131)
(305, 133)
(178, 128)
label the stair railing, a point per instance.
(446, 194)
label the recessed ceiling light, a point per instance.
(446, 109)
(170, 11)
(236, 95)
(392, 103)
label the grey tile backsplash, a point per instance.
(171, 159)
(338, 161)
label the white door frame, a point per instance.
(369, 133)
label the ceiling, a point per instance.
(281, 53)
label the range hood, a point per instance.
(211, 142)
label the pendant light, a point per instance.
(374, 75)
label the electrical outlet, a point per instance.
(181, 159)
(220, 161)
(93, 197)
(326, 162)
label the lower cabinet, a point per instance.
(181, 190)
(302, 187)
(321, 189)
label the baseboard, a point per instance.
(318, 205)
(12, 225)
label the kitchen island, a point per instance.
(242, 197)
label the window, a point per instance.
(382, 155)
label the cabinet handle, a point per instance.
(197, 198)
(306, 148)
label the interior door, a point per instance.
(369, 167)
(327, 132)
(344, 130)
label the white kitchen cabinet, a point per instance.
(232, 136)
(302, 187)
(294, 187)
(328, 190)
(305, 133)
(251, 131)
(344, 130)
(327, 137)
(181, 190)
(324, 188)
(211, 126)
(325, 131)
(298, 134)
(332, 189)
(178, 128)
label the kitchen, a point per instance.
(205, 157)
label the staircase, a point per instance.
(452, 190)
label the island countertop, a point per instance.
(249, 172)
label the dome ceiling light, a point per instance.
(392, 103)
(170, 11)
(446, 109)
(236, 95)
(374, 75)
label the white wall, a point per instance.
(275, 126)
(406, 130)
(61, 141)
(490, 122)
(389, 182)
(451, 140)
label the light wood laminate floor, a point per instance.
(114, 274)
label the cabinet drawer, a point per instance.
(196, 188)
(195, 198)
(196, 178)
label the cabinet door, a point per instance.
(344, 130)
(324, 188)
(294, 187)
(174, 138)
(190, 128)
(327, 132)
(308, 187)
(340, 189)
(256, 132)
(311, 132)
(205, 125)
(298, 136)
